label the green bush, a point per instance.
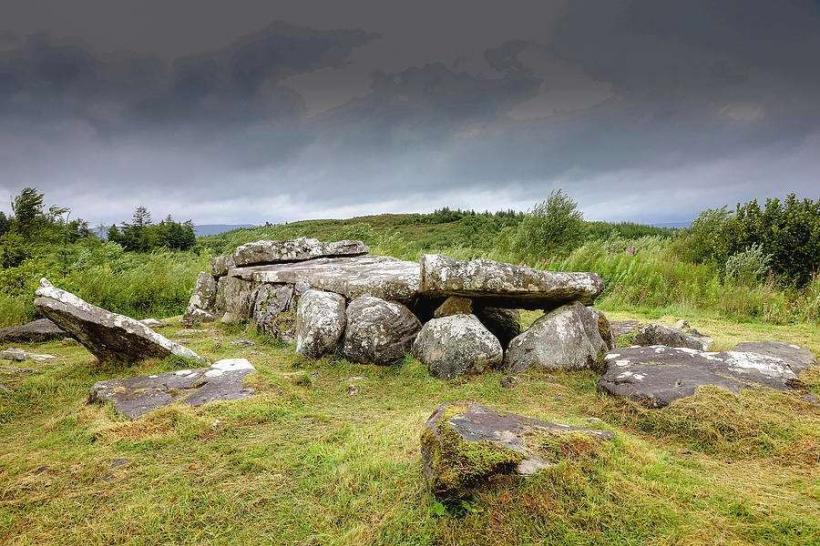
(553, 227)
(749, 267)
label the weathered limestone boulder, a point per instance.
(454, 305)
(36, 331)
(464, 445)
(657, 375)
(273, 311)
(456, 345)
(658, 334)
(136, 396)
(109, 336)
(506, 285)
(19, 355)
(793, 356)
(234, 298)
(320, 322)
(567, 338)
(505, 324)
(220, 265)
(378, 331)
(202, 302)
(294, 250)
(378, 276)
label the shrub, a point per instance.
(748, 267)
(553, 227)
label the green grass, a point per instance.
(302, 462)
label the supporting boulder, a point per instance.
(136, 396)
(202, 302)
(456, 345)
(506, 285)
(466, 444)
(505, 324)
(568, 338)
(294, 250)
(273, 311)
(234, 298)
(320, 322)
(378, 331)
(658, 334)
(109, 336)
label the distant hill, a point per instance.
(216, 229)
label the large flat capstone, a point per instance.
(109, 336)
(294, 250)
(506, 285)
(657, 375)
(378, 276)
(136, 396)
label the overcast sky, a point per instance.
(256, 110)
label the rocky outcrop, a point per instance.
(657, 375)
(294, 250)
(466, 444)
(202, 301)
(568, 338)
(505, 324)
(272, 311)
(109, 336)
(320, 323)
(456, 345)
(658, 334)
(378, 331)
(36, 331)
(136, 396)
(506, 285)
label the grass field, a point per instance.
(303, 462)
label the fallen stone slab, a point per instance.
(657, 375)
(378, 276)
(571, 337)
(378, 331)
(294, 250)
(36, 331)
(795, 357)
(136, 396)
(109, 336)
(455, 345)
(506, 285)
(465, 444)
(19, 355)
(658, 334)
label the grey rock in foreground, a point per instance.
(505, 324)
(456, 345)
(378, 276)
(793, 356)
(202, 302)
(36, 331)
(294, 250)
(464, 445)
(136, 396)
(320, 322)
(567, 338)
(658, 334)
(378, 331)
(272, 311)
(506, 285)
(657, 375)
(109, 336)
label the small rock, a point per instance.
(505, 324)
(19, 355)
(658, 334)
(152, 323)
(36, 331)
(242, 343)
(352, 390)
(509, 381)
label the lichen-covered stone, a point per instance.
(235, 299)
(220, 265)
(506, 285)
(456, 345)
(202, 303)
(320, 322)
(454, 305)
(271, 303)
(294, 250)
(795, 357)
(567, 338)
(465, 444)
(505, 324)
(109, 336)
(657, 375)
(378, 331)
(658, 334)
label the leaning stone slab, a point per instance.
(657, 375)
(456, 345)
(320, 322)
(506, 285)
(136, 396)
(36, 331)
(378, 331)
(294, 250)
(378, 276)
(109, 336)
(658, 334)
(465, 444)
(571, 337)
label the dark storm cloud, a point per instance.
(625, 103)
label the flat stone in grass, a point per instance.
(795, 357)
(464, 445)
(109, 336)
(656, 376)
(36, 331)
(19, 355)
(136, 396)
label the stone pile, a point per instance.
(457, 317)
